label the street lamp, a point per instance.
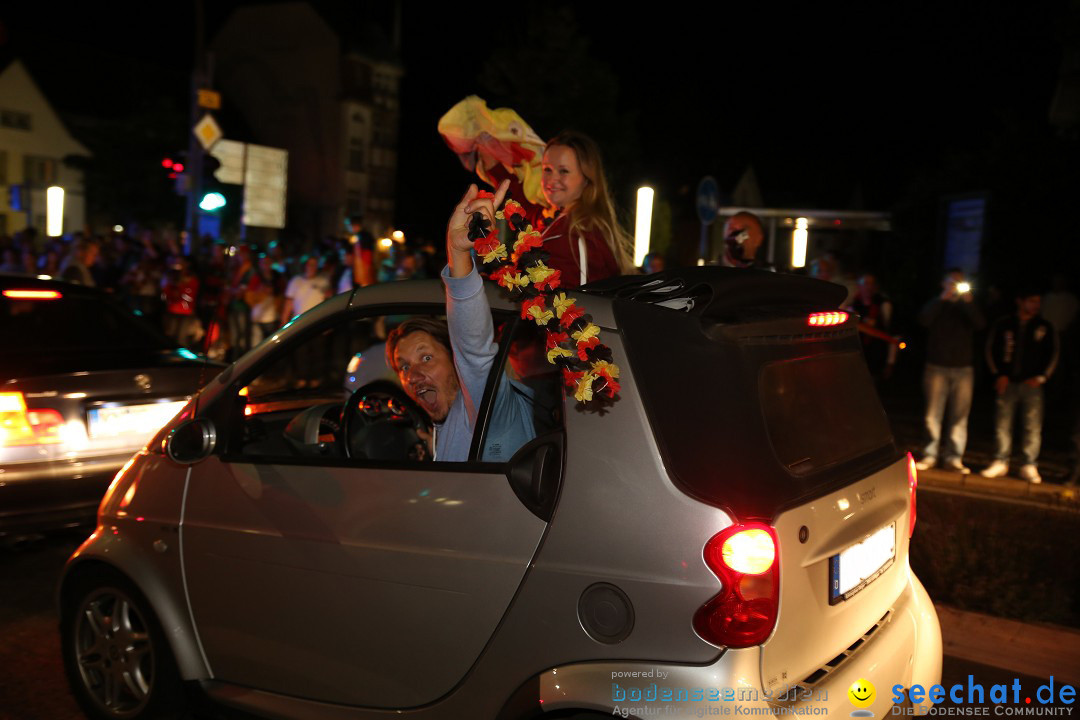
(643, 224)
(798, 243)
(54, 211)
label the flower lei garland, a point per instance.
(573, 340)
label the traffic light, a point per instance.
(212, 201)
(212, 198)
(172, 167)
(210, 164)
(175, 169)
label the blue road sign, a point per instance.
(708, 200)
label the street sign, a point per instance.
(230, 154)
(708, 200)
(210, 99)
(207, 131)
(265, 181)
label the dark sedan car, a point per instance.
(84, 383)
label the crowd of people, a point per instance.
(219, 298)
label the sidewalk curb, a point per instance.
(1024, 648)
(1002, 489)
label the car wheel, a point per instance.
(116, 658)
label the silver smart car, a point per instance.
(732, 531)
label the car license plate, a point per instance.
(858, 566)
(130, 420)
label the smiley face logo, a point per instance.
(861, 693)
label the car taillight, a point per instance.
(745, 559)
(32, 294)
(821, 319)
(19, 426)
(913, 486)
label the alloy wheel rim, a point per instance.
(113, 652)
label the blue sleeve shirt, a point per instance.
(472, 339)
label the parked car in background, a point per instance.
(84, 384)
(737, 520)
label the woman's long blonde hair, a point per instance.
(595, 209)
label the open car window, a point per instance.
(527, 396)
(293, 407)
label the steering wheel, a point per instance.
(380, 422)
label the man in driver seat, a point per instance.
(444, 366)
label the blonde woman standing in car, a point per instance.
(579, 227)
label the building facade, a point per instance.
(33, 147)
(282, 70)
(370, 107)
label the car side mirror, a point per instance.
(191, 441)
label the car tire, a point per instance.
(116, 658)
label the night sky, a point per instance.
(819, 102)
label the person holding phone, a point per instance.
(951, 320)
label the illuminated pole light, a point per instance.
(386, 243)
(798, 243)
(54, 211)
(118, 228)
(643, 224)
(398, 236)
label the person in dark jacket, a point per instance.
(951, 320)
(1021, 353)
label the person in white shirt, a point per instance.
(266, 299)
(305, 291)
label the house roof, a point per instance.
(47, 134)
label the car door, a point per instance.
(373, 583)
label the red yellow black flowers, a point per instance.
(573, 340)
(513, 212)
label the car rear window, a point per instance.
(754, 423)
(74, 323)
(821, 410)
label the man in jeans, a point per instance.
(951, 320)
(1021, 352)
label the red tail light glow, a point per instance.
(19, 426)
(744, 558)
(32, 294)
(822, 319)
(750, 552)
(913, 486)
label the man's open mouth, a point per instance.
(426, 397)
